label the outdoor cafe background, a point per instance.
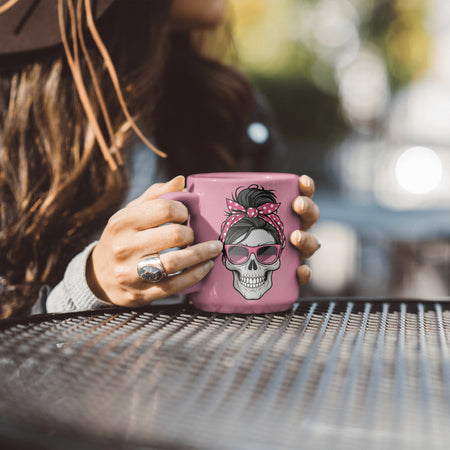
(360, 90)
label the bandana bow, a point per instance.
(266, 212)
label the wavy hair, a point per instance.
(56, 188)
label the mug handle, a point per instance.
(190, 200)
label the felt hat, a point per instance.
(32, 25)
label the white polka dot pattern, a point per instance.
(265, 212)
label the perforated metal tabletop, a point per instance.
(343, 374)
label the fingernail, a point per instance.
(208, 265)
(299, 237)
(216, 246)
(307, 180)
(174, 178)
(299, 204)
(309, 272)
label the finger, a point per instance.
(175, 284)
(132, 246)
(307, 186)
(155, 190)
(178, 260)
(307, 243)
(158, 239)
(157, 212)
(304, 274)
(308, 211)
(148, 214)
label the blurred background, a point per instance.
(360, 92)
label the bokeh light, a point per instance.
(418, 170)
(420, 113)
(334, 266)
(258, 132)
(364, 89)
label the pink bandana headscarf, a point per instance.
(266, 212)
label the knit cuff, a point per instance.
(73, 293)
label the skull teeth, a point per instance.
(252, 282)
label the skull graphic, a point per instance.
(253, 238)
(252, 270)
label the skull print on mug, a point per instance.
(251, 214)
(253, 239)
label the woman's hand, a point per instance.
(307, 243)
(133, 233)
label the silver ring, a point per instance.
(151, 269)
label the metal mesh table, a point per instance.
(344, 374)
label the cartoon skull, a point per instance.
(253, 279)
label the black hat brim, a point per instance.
(32, 25)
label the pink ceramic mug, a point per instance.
(251, 213)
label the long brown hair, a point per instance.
(56, 189)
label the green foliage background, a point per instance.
(284, 63)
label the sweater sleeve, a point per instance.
(73, 292)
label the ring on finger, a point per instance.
(151, 269)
